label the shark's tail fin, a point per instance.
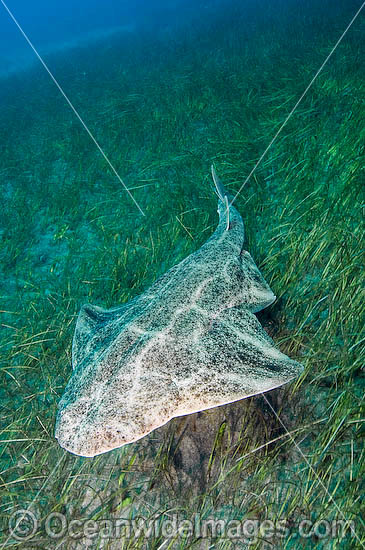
(221, 192)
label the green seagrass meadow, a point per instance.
(165, 104)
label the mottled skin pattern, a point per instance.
(188, 343)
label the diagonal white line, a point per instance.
(72, 107)
(297, 103)
(310, 466)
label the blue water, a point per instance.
(52, 25)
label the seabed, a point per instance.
(165, 104)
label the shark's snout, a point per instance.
(82, 436)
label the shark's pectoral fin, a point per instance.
(256, 292)
(236, 359)
(92, 320)
(249, 342)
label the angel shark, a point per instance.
(188, 343)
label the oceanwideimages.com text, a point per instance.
(24, 525)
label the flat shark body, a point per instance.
(189, 343)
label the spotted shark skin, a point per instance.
(189, 343)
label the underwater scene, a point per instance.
(181, 274)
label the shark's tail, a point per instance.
(222, 194)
